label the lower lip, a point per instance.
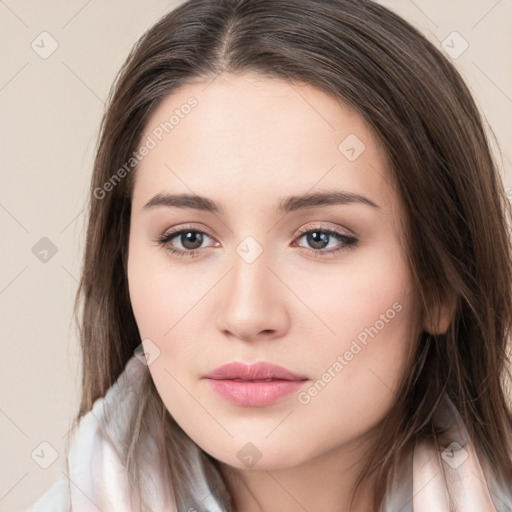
(254, 394)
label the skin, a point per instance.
(249, 142)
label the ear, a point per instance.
(441, 316)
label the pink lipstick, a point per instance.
(254, 385)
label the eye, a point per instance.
(320, 237)
(190, 240)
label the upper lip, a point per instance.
(257, 371)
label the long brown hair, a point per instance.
(457, 215)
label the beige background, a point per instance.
(51, 111)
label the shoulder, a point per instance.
(95, 452)
(55, 499)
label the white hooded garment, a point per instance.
(97, 480)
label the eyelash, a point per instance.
(348, 241)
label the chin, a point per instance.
(259, 456)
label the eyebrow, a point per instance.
(287, 205)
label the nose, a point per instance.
(252, 305)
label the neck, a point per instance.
(325, 483)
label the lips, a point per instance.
(262, 371)
(255, 385)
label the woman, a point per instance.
(296, 286)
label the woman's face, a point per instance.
(299, 265)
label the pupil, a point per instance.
(188, 238)
(313, 239)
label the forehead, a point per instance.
(259, 137)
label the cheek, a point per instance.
(159, 295)
(168, 305)
(162, 302)
(368, 296)
(357, 376)
(363, 351)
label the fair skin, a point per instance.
(250, 142)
